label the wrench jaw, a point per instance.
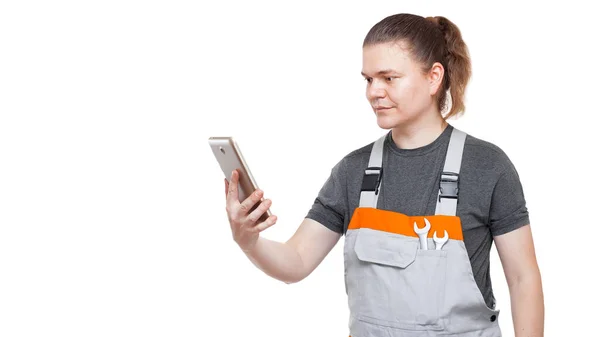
(427, 224)
(423, 230)
(439, 242)
(422, 233)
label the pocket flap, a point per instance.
(385, 248)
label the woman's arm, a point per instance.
(288, 262)
(517, 253)
(295, 259)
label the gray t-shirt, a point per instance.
(491, 200)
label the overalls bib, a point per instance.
(401, 285)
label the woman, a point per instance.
(419, 208)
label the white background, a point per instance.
(112, 213)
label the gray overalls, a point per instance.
(410, 276)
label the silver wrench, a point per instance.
(439, 242)
(422, 233)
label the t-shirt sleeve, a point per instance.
(508, 209)
(331, 204)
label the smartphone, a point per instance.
(229, 156)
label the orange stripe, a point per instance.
(398, 223)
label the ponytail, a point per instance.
(458, 66)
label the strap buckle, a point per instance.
(448, 186)
(372, 179)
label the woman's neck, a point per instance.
(420, 133)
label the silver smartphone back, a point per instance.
(229, 156)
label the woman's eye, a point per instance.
(368, 79)
(389, 79)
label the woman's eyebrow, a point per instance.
(383, 72)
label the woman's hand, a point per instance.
(244, 223)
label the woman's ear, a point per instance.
(435, 77)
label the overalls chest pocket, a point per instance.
(394, 283)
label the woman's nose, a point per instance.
(375, 91)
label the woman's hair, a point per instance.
(430, 40)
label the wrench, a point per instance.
(422, 233)
(439, 242)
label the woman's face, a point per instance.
(397, 89)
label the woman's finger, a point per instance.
(232, 191)
(247, 204)
(259, 211)
(264, 225)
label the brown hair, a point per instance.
(430, 40)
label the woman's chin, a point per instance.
(386, 123)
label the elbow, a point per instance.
(294, 278)
(297, 270)
(290, 280)
(529, 279)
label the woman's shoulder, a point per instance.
(485, 154)
(355, 161)
(360, 154)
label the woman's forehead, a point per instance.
(389, 57)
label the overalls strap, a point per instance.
(449, 178)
